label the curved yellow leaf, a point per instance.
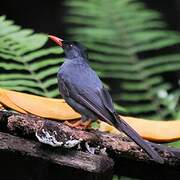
(41, 106)
(7, 102)
(159, 131)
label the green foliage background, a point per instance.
(123, 38)
(25, 65)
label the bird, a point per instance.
(83, 90)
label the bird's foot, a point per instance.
(80, 124)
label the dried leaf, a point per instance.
(159, 131)
(7, 102)
(37, 105)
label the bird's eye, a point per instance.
(71, 45)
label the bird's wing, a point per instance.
(107, 100)
(63, 88)
(91, 99)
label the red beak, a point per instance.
(56, 40)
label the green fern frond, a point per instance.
(25, 64)
(117, 33)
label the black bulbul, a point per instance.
(84, 92)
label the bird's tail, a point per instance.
(121, 125)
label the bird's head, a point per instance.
(72, 49)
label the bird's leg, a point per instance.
(83, 123)
(79, 124)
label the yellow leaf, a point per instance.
(159, 131)
(40, 106)
(7, 102)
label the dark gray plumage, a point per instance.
(83, 91)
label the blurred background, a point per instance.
(48, 16)
(133, 46)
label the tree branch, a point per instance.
(59, 134)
